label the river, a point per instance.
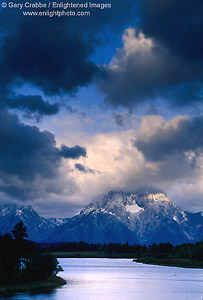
(122, 279)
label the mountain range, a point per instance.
(120, 217)
(38, 228)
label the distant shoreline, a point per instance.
(171, 262)
(168, 261)
(87, 254)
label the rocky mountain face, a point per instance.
(143, 218)
(38, 228)
(57, 221)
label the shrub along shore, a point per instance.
(33, 287)
(25, 266)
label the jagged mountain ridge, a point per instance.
(144, 218)
(38, 228)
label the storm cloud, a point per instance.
(161, 57)
(28, 154)
(170, 140)
(55, 53)
(83, 169)
(145, 70)
(56, 57)
(177, 24)
(31, 104)
(53, 56)
(55, 62)
(72, 152)
(177, 170)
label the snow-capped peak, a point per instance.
(134, 208)
(131, 203)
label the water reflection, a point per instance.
(121, 279)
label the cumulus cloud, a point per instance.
(119, 165)
(72, 152)
(144, 69)
(122, 165)
(83, 169)
(30, 160)
(180, 137)
(161, 58)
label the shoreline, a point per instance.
(56, 281)
(91, 255)
(32, 287)
(171, 262)
(167, 261)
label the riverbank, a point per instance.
(166, 261)
(91, 255)
(171, 262)
(32, 287)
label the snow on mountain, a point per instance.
(37, 227)
(133, 208)
(57, 221)
(143, 218)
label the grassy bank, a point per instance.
(91, 255)
(171, 261)
(168, 261)
(32, 287)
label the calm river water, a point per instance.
(122, 279)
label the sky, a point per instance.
(110, 101)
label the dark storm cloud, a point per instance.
(83, 169)
(145, 70)
(26, 153)
(178, 24)
(54, 53)
(17, 192)
(47, 55)
(72, 152)
(170, 68)
(32, 104)
(170, 140)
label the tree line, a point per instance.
(189, 250)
